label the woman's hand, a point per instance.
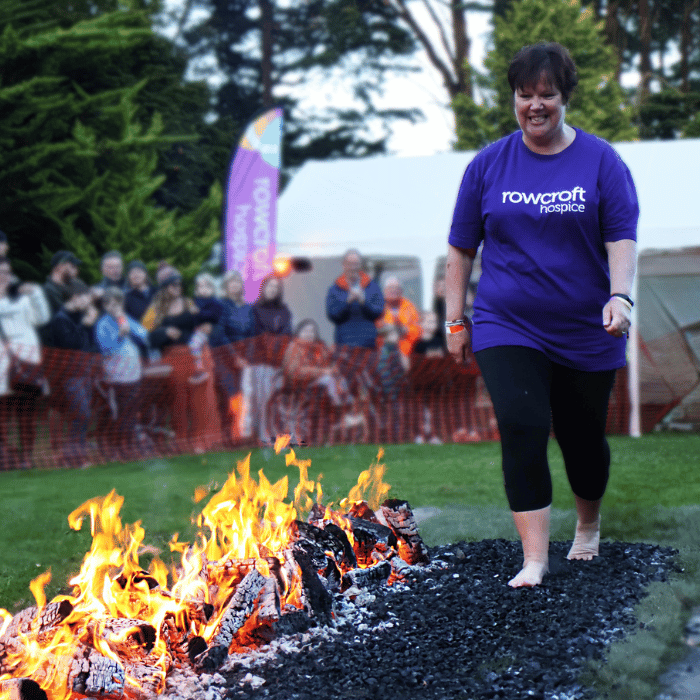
(172, 332)
(617, 317)
(458, 345)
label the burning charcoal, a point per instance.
(26, 621)
(318, 602)
(96, 675)
(363, 578)
(361, 509)
(22, 689)
(292, 622)
(238, 610)
(370, 536)
(399, 517)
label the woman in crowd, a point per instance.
(139, 290)
(122, 341)
(210, 307)
(237, 320)
(556, 211)
(270, 313)
(226, 361)
(172, 320)
(22, 309)
(271, 317)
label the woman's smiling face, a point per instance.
(540, 111)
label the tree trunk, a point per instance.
(645, 50)
(613, 34)
(266, 26)
(460, 37)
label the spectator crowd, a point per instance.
(84, 354)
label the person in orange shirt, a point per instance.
(400, 312)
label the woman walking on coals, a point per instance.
(556, 211)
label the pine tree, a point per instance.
(273, 52)
(78, 153)
(598, 103)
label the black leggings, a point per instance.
(530, 395)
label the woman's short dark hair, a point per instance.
(550, 60)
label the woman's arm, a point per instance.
(458, 270)
(622, 261)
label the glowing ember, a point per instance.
(122, 628)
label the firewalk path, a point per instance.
(682, 680)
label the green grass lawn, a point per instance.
(653, 496)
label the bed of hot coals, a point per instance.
(256, 572)
(346, 602)
(453, 630)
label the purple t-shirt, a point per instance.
(543, 220)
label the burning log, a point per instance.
(125, 637)
(365, 578)
(317, 601)
(361, 510)
(39, 623)
(399, 517)
(22, 689)
(269, 603)
(238, 610)
(348, 558)
(325, 539)
(95, 675)
(370, 537)
(99, 676)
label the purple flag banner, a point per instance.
(250, 216)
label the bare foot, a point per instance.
(531, 575)
(586, 541)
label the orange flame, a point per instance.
(247, 520)
(370, 485)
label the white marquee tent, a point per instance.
(402, 206)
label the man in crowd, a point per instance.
(71, 328)
(64, 269)
(112, 268)
(353, 303)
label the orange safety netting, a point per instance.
(247, 400)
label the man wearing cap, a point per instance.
(64, 269)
